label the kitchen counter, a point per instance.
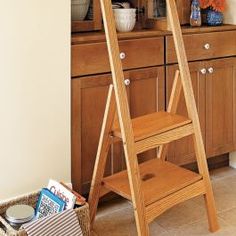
(99, 36)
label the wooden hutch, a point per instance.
(149, 63)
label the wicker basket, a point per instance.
(31, 199)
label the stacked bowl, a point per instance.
(79, 9)
(125, 19)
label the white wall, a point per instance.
(34, 94)
(230, 13)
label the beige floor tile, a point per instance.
(229, 216)
(113, 205)
(222, 172)
(201, 229)
(154, 228)
(116, 223)
(122, 223)
(230, 182)
(225, 201)
(182, 214)
(225, 195)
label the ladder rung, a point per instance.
(159, 179)
(153, 124)
(163, 138)
(157, 208)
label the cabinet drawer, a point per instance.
(93, 58)
(204, 46)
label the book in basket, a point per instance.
(48, 204)
(59, 190)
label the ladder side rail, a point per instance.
(186, 80)
(172, 108)
(102, 153)
(124, 118)
(192, 111)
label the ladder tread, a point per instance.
(153, 124)
(159, 179)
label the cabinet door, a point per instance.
(182, 151)
(89, 95)
(220, 106)
(146, 95)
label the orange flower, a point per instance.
(205, 3)
(217, 5)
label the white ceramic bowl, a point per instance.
(125, 25)
(79, 9)
(125, 19)
(126, 11)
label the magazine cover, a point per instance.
(48, 204)
(68, 197)
(80, 200)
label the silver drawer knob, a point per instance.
(210, 70)
(203, 71)
(207, 46)
(122, 55)
(127, 82)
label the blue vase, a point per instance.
(214, 18)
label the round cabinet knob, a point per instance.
(122, 55)
(203, 71)
(207, 46)
(127, 82)
(210, 70)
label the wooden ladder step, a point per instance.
(157, 208)
(159, 179)
(156, 129)
(163, 138)
(153, 124)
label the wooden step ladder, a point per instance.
(155, 185)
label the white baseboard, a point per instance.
(232, 159)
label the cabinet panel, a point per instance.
(220, 106)
(146, 95)
(87, 115)
(181, 151)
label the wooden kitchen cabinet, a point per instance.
(145, 94)
(220, 106)
(214, 84)
(181, 152)
(149, 62)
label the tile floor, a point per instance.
(116, 217)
